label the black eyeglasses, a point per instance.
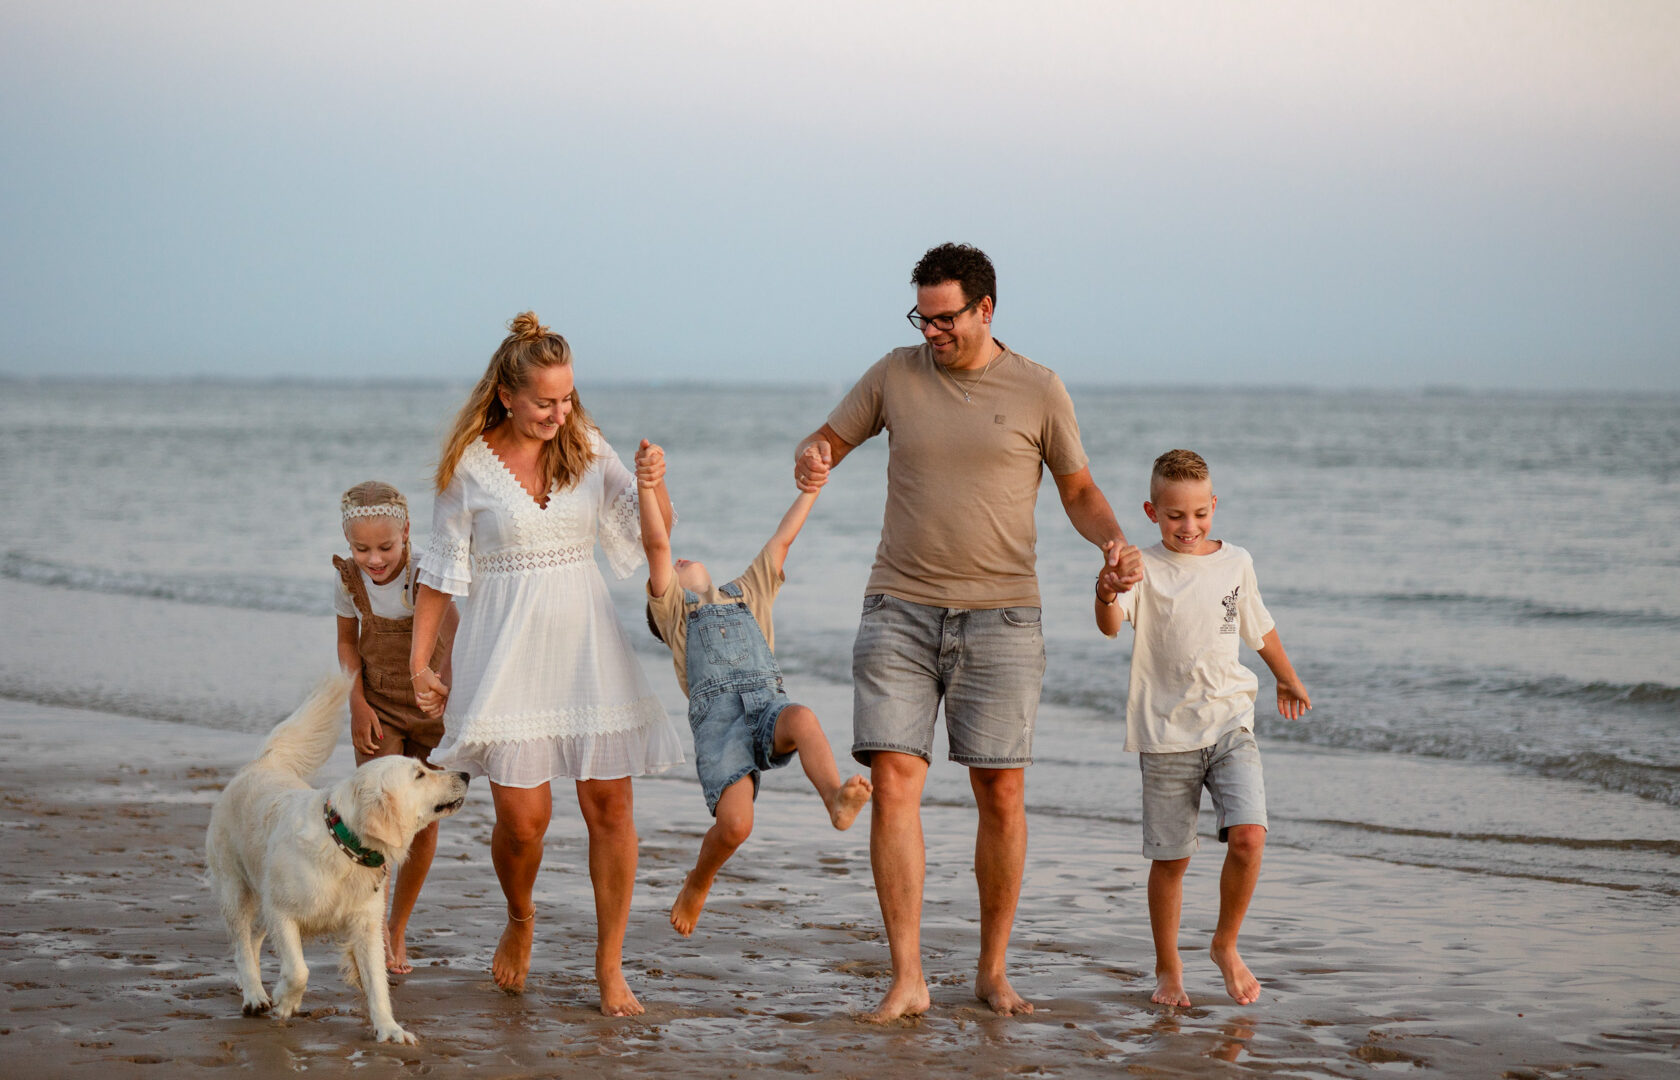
(940, 322)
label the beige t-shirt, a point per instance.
(962, 476)
(759, 584)
(1189, 688)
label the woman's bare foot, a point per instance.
(685, 912)
(1240, 982)
(851, 798)
(616, 998)
(1169, 989)
(996, 992)
(512, 961)
(396, 951)
(906, 997)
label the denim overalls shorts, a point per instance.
(735, 695)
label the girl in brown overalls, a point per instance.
(374, 598)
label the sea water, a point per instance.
(1481, 591)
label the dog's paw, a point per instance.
(394, 1033)
(257, 1004)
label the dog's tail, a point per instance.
(302, 743)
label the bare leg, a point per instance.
(609, 813)
(1166, 898)
(405, 890)
(1243, 849)
(733, 825)
(516, 850)
(799, 731)
(1000, 854)
(898, 857)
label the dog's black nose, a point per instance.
(466, 778)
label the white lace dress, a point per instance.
(546, 685)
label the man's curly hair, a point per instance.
(964, 264)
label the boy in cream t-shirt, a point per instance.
(1190, 711)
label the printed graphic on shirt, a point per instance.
(1230, 624)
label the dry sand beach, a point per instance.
(115, 962)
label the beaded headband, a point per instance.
(393, 510)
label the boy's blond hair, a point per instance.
(1175, 466)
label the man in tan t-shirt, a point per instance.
(952, 611)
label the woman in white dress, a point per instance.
(546, 686)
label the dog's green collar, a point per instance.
(348, 842)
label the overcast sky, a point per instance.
(1327, 192)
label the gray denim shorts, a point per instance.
(1172, 793)
(986, 664)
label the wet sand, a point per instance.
(115, 962)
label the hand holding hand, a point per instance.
(1293, 702)
(650, 465)
(430, 693)
(1122, 568)
(810, 468)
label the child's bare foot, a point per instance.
(616, 998)
(396, 951)
(1169, 989)
(906, 997)
(996, 992)
(1240, 982)
(851, 798)
(685, 912)
(512, 961)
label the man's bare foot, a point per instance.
(996, 992)
(1240, 982)
(512, 961)
(685, 911)
(906, 997)
(852, 797)
(396, 952)
(616, 998)
(1169, 989)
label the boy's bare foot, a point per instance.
(512, 961)
(997, 993)
(1240, 982)
(685, 912)
(1169, 989)
(906, 997)
(851, 798)
(616, 998)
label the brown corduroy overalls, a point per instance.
(384, 646)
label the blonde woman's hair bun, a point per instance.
(525, 327)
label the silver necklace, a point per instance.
(975, 385)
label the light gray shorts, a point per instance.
(987, 665)
(1172, 793)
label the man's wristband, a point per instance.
(1107, 603)
(419, 673)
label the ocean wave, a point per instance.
(1507, 609)
(245, 592)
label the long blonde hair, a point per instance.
(528, 346)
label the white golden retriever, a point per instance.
(294, 862)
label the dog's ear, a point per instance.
(382, 820)
(379, 818)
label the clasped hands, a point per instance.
(1122, 568)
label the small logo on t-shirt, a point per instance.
(998, 418)
(1230, 602)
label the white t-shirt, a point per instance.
(386, 600)
(1188, 688)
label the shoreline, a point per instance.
(115, 958)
